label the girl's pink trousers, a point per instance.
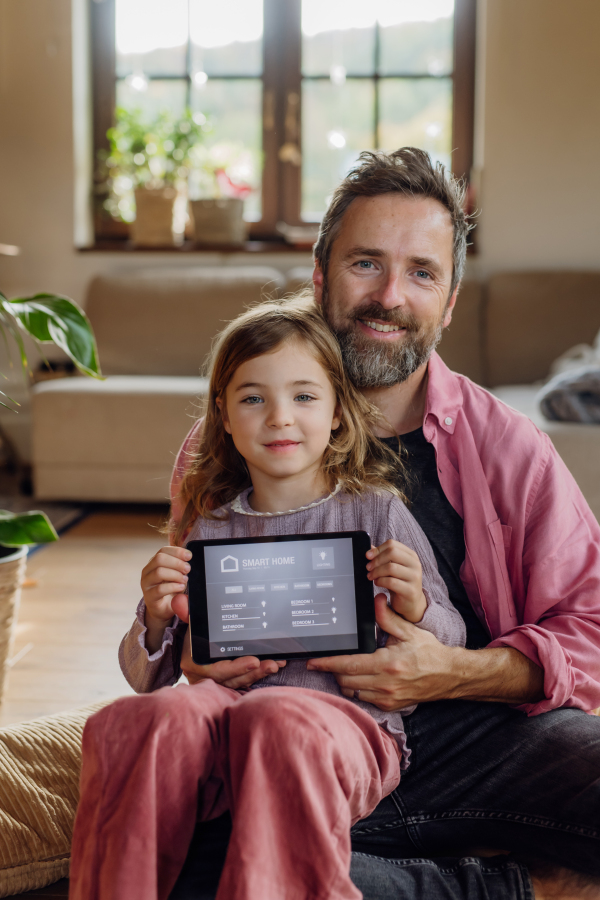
(296, 768)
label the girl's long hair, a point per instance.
(217, 472)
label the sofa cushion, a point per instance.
(110, 440)
(161, 321)
(577, 444)
(533, 317)
(39, 790)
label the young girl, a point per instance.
(286, 447)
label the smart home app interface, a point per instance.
(286, 597)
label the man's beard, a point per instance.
(370, 363)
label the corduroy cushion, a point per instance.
(39, 789)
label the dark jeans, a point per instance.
(481, 776)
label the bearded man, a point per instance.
(504, 755)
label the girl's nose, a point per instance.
(280, 415)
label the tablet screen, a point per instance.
(286, 597)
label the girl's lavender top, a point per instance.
(381, 514)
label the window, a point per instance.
(290, 91)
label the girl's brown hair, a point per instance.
(218, 473)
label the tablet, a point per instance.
(285, 597)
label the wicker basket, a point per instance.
(12, 570)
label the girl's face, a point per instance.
(280, 409)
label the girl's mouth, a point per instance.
(282, 446)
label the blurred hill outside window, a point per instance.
(297, 87)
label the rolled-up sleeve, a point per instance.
(560, 628)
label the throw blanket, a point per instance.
(573, 396)
(572, 393)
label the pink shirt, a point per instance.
(532, 562)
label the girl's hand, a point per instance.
(163, 579)
(398, 569)
(238, 673)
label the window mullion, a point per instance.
(463, 93)
(283, 143)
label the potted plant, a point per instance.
(146, 172)
(47, 318)
(220, 180)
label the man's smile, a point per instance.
(381, 330)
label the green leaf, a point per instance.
(49, 318)
(32, 527)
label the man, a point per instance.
(504, 756)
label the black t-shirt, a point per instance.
(442, 525)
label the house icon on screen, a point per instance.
(229, 564)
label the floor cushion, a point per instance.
(40, 762)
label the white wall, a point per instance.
(540, 189)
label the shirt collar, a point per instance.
(444, 397)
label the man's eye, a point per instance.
(252, 400)
(422, 273)
(365, 264)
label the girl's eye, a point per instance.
(303, 397)
(251, 401)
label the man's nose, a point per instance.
(391, 291)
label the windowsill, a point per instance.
(120, 246)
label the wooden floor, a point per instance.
(82, 599)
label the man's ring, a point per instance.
(356, 695)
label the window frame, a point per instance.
(281, 109)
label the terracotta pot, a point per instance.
(153, 224)
(12, 570)
(219, 221)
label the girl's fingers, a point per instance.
(267, 667)
(400, 554)
(394, 586)
(161, 591)
(180, 606)
(163, 574)
(168, 560)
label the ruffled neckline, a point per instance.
(240, 504)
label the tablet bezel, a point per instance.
(363, 593)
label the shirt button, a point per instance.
(448, 420)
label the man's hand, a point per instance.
(231, 673)
(415, 667)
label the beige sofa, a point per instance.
(116, 440)
(505, 335)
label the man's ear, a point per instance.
(224, 416)
(450, 306)
(317, 278)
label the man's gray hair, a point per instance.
(406, 171)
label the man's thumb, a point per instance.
(390, 621)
